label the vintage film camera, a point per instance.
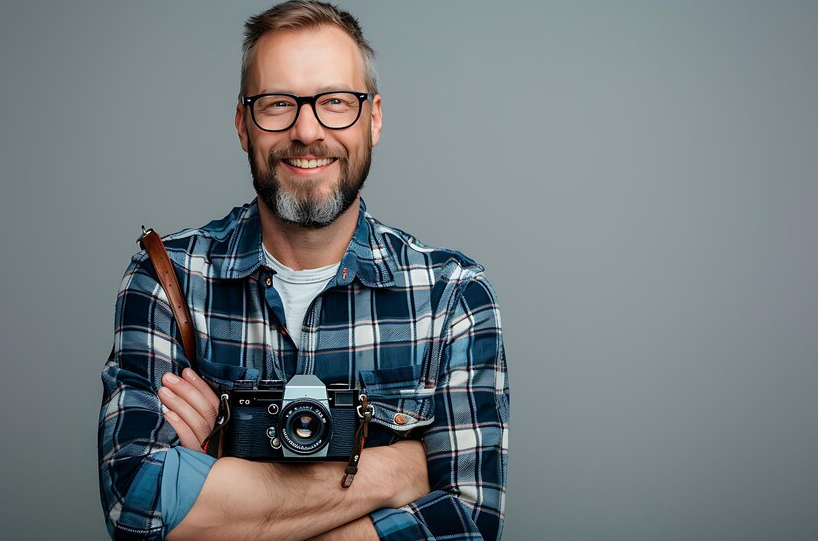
(301, 421)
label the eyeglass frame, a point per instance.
(250, 101)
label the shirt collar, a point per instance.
(241, 253)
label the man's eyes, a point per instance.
(335, 103)
(276, 107)
(330, 104)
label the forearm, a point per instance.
(250, 500)
(361, 529)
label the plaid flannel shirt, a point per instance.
(417, 327)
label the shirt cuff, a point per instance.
(438, 515)
(183, 476)
(398, 525)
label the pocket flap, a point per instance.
(224, 375)
(398, 402)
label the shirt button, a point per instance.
(268, 281)
(400, 419)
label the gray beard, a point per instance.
(304, 207)
(304, 212)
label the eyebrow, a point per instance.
(322, 89)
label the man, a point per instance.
(304, 281)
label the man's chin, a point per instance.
(308, 193)
(312, 211)
(313, 185)
(310, 198)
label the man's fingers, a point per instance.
(201, 385)
(202, 403)
(186, 436)
(178, 405)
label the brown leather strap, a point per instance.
(152, 243)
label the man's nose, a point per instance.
(307, 129)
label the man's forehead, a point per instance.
(326, 88)
(306, 60)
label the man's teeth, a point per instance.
(310, 164)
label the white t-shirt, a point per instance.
(297, 290)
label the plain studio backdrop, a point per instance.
(640, 180)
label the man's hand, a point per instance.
(192, 405)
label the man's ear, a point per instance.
(241, 126)
(376, 120)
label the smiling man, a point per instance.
(304, 280)
(308, 172)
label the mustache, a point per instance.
(296, 150)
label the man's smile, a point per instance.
(308, 163)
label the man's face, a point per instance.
(306, 62)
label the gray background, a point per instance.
(640, 180)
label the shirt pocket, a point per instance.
(400, 403)
(222, 375)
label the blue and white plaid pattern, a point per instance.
(417, 327)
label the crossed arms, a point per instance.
(300, 501)
(465, 448)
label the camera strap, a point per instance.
(365, 411)
(151, 242)
(222, 418)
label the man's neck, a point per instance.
(302, 248)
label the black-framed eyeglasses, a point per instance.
(335, 110)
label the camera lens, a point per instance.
(304, 426)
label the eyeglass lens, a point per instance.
(278, 111)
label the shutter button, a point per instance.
(400, 419)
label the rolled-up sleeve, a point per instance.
(133, 437)
(183, 476)
(467, 445)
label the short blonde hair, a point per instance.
(300, 14)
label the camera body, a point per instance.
(301, 421)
